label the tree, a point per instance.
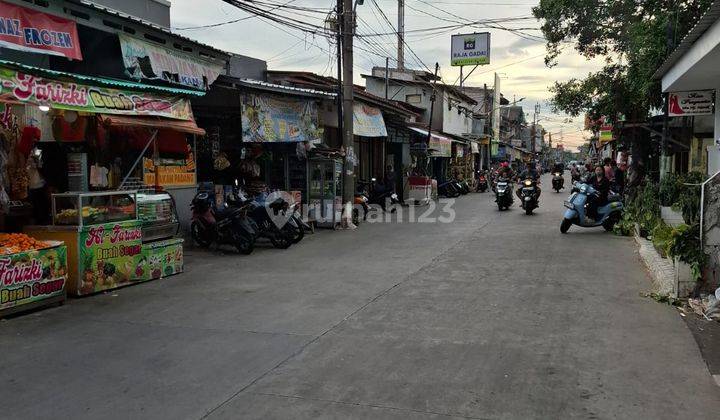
(634, 38)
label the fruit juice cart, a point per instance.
(31, 278)
(104, 241)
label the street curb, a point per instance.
(661, 269)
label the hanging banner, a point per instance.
(173, 172)
(147, 61)
(368, 121)
(32, 31)
(470, 49)
(268, 119)
(697, 102)
(441, 147)
(24, 88)
(474, 147)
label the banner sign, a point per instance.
(20, 87)
(32, 276)
(32, 31)
(441, 147)
(147, 61)
(697, 102)
(113, 255)
(267, 119)
(368, 121)
(180, 174)
(470, 49)
(474, 147)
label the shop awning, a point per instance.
(441, 145)
(184, 126)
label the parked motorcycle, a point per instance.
(463, 186)
(482, 184)
(377, 194)
(280, 237)
(528, 196)
(228, 225)
(449, 189)
(503, 194)
(576, 204)
(558, 182)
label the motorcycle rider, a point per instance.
(530, 172)
(602, 185)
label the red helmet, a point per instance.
(504, 165)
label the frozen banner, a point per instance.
(274, 119)
(368, 121)
(32, 31)
(147, 61)
(24, 88)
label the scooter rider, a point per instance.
(602, 185)
(530, 172)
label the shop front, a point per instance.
(88, 162)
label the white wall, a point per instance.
(454, 123)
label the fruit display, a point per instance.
(69, 216)
(12, 243)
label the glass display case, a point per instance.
(83, 209)
(157, 213)
(325, 191)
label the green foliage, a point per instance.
(688, 200)
(662, 238)
(669, 190)
(630, 35)
(685, 245)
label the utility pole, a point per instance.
(338, 39)
(387, 76)
(432, 103)
(495, 116)
(534, 129)
(348, 30)
(401, 35)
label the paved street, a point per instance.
(496, 315)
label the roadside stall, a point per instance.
(32, 273)
(112, 146)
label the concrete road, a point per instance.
(496, 315)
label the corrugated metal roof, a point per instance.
(711, 16)
(290, 89)
(143, 22)
(100, 80)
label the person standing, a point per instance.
(609, 172)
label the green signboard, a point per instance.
(113, 255)
(109, 255)
(32, 276)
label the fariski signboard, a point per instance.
(470, 49)
(695, 102)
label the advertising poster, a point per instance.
(32, 276)
(109, 256)
(470, 49)
(160, 259)
(368, 121)
(32, 31)
(147, 61)
(696, 102)
(24, 88)
(268, 119)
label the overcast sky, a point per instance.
(519, 58)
